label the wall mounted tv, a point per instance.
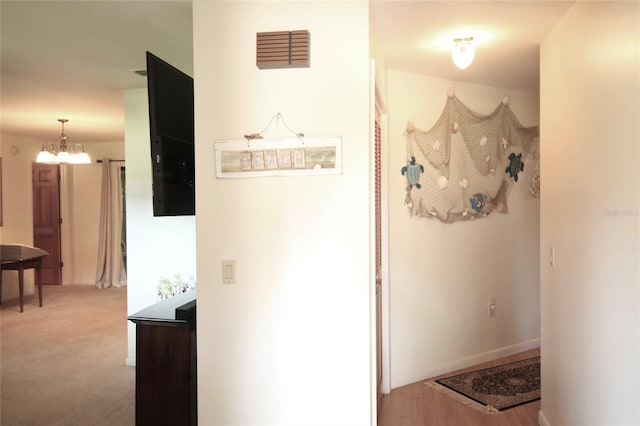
(170, 94)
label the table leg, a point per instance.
(38, 283)
(21, 286)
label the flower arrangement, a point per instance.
(171, 287)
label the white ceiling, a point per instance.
(416, 37)
(72, 59)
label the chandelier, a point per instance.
(63, 152)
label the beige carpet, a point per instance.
(64, 363)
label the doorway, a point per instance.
(381, 248)
(47, 219)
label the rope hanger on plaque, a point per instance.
(277, 118)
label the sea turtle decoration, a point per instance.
(413, 172)
(515, 165)
(477, 201)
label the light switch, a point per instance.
(229, 271)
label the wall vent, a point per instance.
(282, 49)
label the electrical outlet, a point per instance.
(492, 307)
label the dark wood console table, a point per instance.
(18, 257)
(166, 381)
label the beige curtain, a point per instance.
(110, 271)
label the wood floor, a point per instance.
(417, 404)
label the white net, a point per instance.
(461, 168)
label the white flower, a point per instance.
(168, 288)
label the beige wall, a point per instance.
(443, 275)
(17, 220)
(590, 86)
(289, 343)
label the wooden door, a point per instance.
(46, 219)
(378, 231)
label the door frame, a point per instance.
(55, 213)
(384, 201)
(377, 101)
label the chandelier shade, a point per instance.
(63, 152)
(463, 52)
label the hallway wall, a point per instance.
(443, 275)
(590, 107)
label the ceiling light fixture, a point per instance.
(463, 52)
(63, 152)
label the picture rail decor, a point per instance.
(278, 157)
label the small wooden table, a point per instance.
(18, 257)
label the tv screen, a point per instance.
(172, 145)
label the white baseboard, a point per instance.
(472, 360)
(542, 420)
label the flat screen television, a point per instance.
(170, 94)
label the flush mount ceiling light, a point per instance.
(63, 152)
(463, 52)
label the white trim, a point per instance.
(472, 360)
(372, 251)
(542, 420)
(130, 362)
(67, 251)
(378, 102)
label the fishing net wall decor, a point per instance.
(461, 169)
